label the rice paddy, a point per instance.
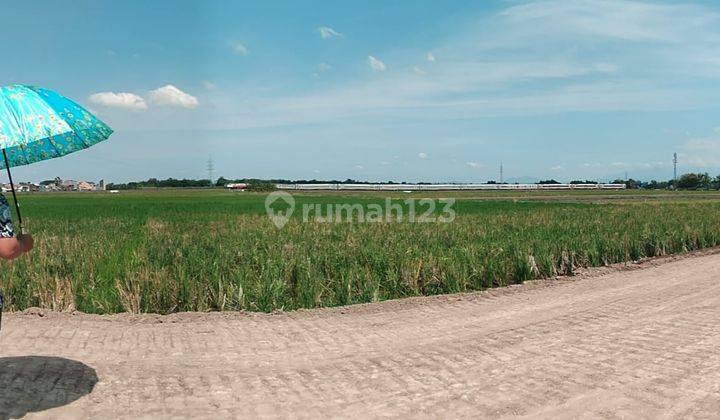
(171, 251)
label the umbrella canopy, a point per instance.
(38, 124)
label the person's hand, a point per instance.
(26, 241)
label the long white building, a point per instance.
(447, 187)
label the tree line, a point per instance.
(689, 181)
(253, 183)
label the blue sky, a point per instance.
(379, 90)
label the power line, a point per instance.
(210, 168)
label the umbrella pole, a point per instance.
(12, 187)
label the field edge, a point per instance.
(389, 305)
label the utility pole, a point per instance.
(501, 173)
(210, 168)
(675, 167)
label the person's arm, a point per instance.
(11, 248)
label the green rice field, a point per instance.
(177, 250)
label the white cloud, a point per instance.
(557, 168)
(172, 96)
(532, 58)
(209, 85)
(620, 19)
(622, 165)
(322, 68)
(419, 71)
(327, 32)
(118, 100)
(430, 57)
(703, 145)
(701, 152)
(376, 64)
(359, 167)
(653, 165)
(240, 48)
(474, 165)
(422, 155)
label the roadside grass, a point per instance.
(170, 251)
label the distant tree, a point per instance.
(705, 180)
(655, 185)
(632, 184)
(262, 186)
(162, 183)
(583, 182)
(221, 182)
(548, 181)
(688, 182)
(694, 181)
(128, 186)
(715, 184)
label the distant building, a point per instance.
(85, 186)
(28, 187)
(50, 187)
(58, 184)
(69, 185)
(21, 187)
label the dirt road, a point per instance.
(633, 343)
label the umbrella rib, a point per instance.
(23, 149)
(15, 115)
(82, 138)
(52, 143)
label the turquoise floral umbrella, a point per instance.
(39, 124)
